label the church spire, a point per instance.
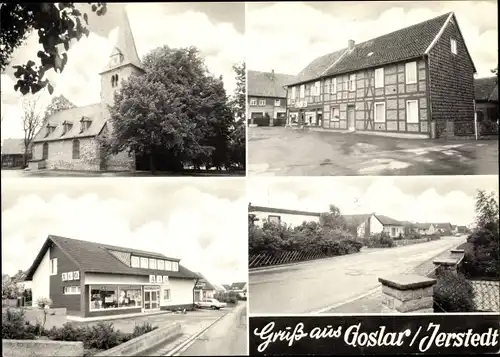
(124, 51)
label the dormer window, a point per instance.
(67, 126)
(49, 129)
(85, 124)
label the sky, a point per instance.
(217, 29)
(201, 222)
(287, 36)
(432, 199)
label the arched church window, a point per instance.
(76, 149)
(45, 151)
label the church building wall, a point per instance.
(60, 155)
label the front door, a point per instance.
(350, 118)
(320, 119)
(151, 299)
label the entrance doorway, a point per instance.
(151, 299)
(351, 124)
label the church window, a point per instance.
(45, 151)
(76, 149)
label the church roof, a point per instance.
(97, 114)
(125, 45)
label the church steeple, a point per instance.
(122, 62)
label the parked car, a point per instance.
(210, 304)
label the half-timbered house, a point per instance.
(415, 82)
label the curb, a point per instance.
(372, 290)
(184, 345)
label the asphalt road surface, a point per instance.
(227, 337)
(317, 285)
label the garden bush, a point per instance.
(378, 240)
(453, 293)
(14, 327)
(42, 302)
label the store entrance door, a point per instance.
(151, 300)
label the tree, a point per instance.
(333, 219)
(237, 146)
(56, 105)
(57, 24)
(176, 113)
(32, 122)
(238, 100)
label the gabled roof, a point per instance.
(226, 286)
(317, 67)
(423, 225)
(94, 257)
(388, 221)
(238, 285)
(96, 113)
(356, 219)
(203, 280)
(442, 225)
(267, 84)
(282, 211)
(125, 45)
(13, 147)
(486, 89)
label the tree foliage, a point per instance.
(56, 24)
(483, 260)
(238, 100)
(176, 111)
(57, 104)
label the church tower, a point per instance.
(122, 63)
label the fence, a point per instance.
(486, 295)
(278, 258)
(403, 242)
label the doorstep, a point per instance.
(115, 317)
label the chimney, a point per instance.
(272, 74)
(350, 44)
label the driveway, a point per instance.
(279, 151)
(317, 286)
(227, 337)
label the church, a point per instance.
(70, 140)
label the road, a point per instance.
(316, 285)
(227, 337)
(273, 152)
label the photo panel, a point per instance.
(157, 260)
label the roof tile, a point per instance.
(265, 84)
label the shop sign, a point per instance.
(152, 278)
(159, 279)
(165, 279)
(72, 275)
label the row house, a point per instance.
(267, 98)
(414, 82)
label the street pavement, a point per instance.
(317, 286)
(226, 337)
(278, 151)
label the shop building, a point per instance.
(415, 82)
(92, 279)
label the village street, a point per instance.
(282, 151)
(317, 286)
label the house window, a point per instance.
(166, 294)
(135, 262)
(175, 266)
(294, 93)
(161, 264)
(379, 78)
(274, 219)
(71, 290)
(152, 263)
(411, 72)
(379, 113)
(277, 102)
(53, 266)
(335, 114)
(317, 88)
(412, 111)
(334, 86)
(144, 263)
(262, 102)
(352, 82)
(253, 101)
(76, 149)
(114, 297)
(302, 91)
(168, 265)
(453, 44)
(45, 151)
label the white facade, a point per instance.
(102, 279)
(375, 225)
(40, 286)
(289, 219)
(394, 231)
(181, 292)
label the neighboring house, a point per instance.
(462, 229)
(281, 215)
(13, 153)
(266, 95)
(219, 288)
(366, 225)
(426, 228)
(415, 82)
(71, 138)
(92, 279)
(203, 289)
(20, 279)
(227, 287)
(443, 228)
(486, 96)
(240, 288)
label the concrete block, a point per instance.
(413, 305)
(41, 348)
